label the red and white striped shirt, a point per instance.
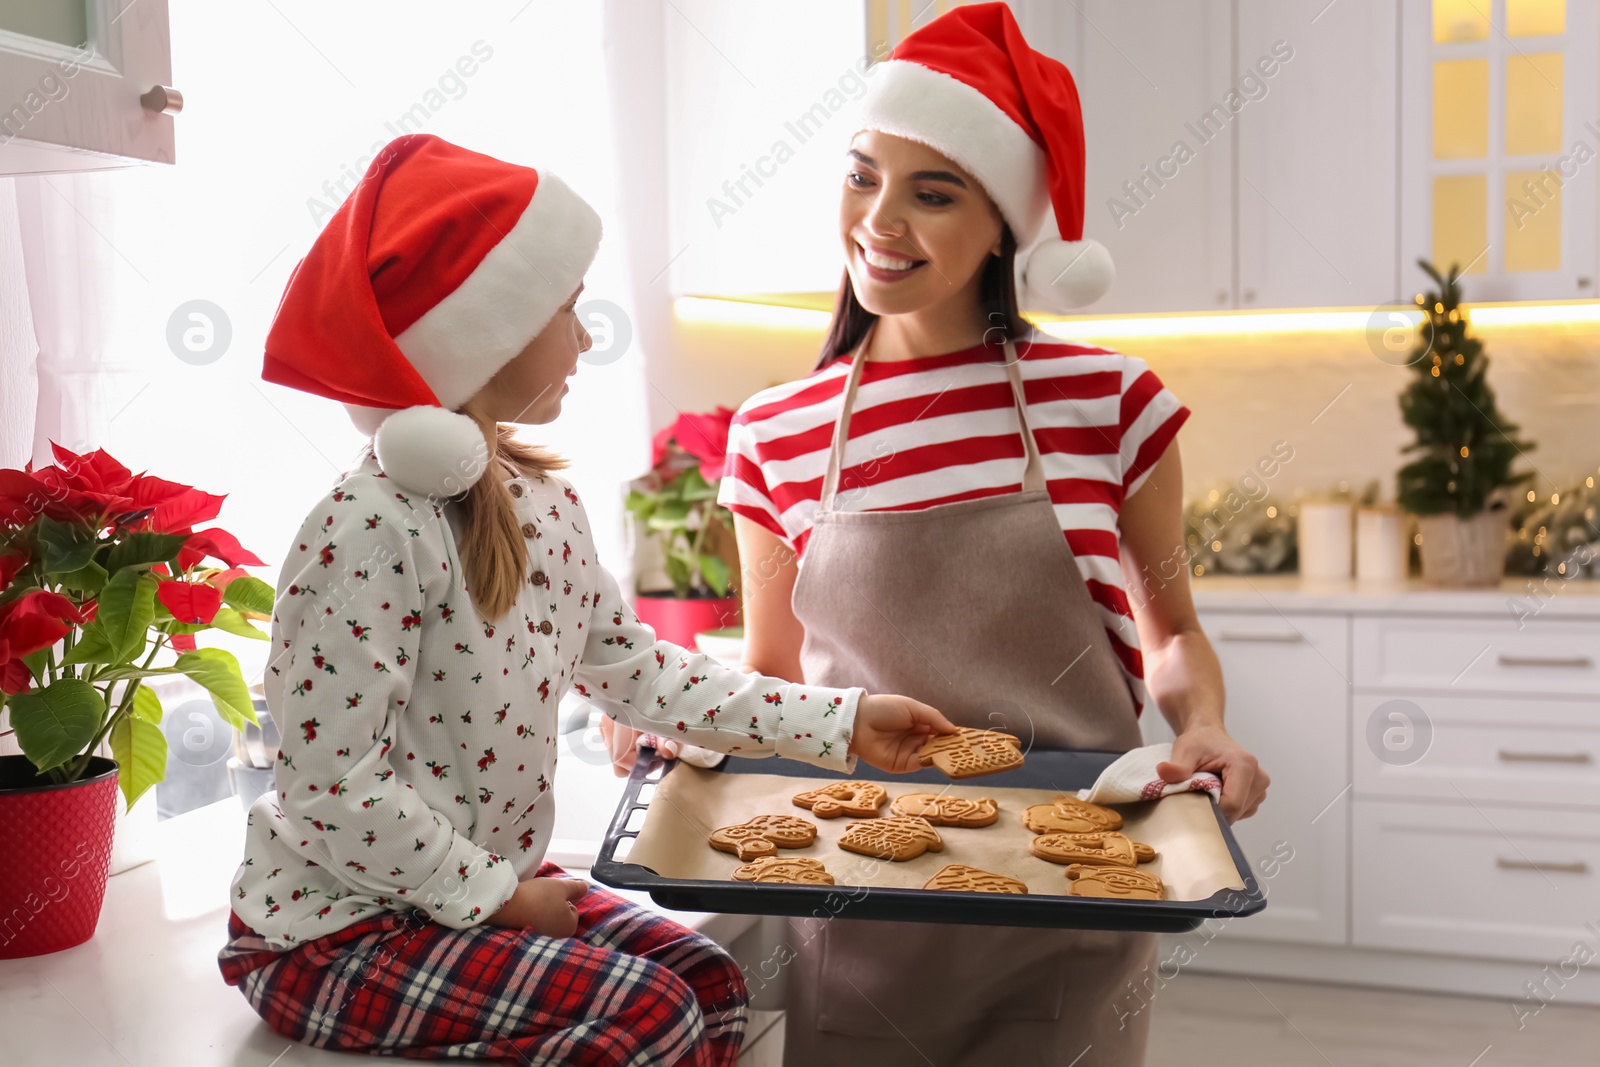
(938, 429)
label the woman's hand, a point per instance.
(543, 905)
(889, 730)
(1209, 748)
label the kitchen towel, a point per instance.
(1133, 777)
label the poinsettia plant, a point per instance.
(101, 571)
(677, 501)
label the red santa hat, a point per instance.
(439, 268)
(968, 86)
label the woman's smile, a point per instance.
(883, 265)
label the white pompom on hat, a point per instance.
(439, 268)
(969, 86)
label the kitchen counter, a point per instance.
(1515, 598)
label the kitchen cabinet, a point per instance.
(85, 86)
(1316, 177)
(1287, 703)
(1499, 142)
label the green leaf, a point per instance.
(121, 625)
(64, 547)
(695, 487)
(57, 722)
(249, 594)
(119, 674)
(140, 748)
(670, 516)
(218, 672)
(88, 579)
(146, 705)
(143, 548)
(234, 623)
(715, 571)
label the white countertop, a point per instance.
(1576, 598)
(145, 990)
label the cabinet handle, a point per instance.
(1222, 296)
(1545, 661)
(1249, 296)
(163, 100)
(1234, 635)
(1575, 867)
(1546, 757)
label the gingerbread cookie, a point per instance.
(971, 879)
(763, 835)
(795, 870)
(1109, 849)
(1117, 883)
(942, 809)
(969, 752)
(1064, 815)
(860, 799)
(893, 837)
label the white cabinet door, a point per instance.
(1316, 183)
(1287, 702)
(72, 74)
(1159, 158)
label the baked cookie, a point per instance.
(969, 752)
(893, 837)
(860, 799)
(795, 870)
(1109, 849)
(763, 835)
(1117, 883)
(973, 880)
(1065, 815)
(941, 809)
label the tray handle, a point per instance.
(654, 767)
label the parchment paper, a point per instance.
(689, 803)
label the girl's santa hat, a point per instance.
(968, 86)
(440, 267)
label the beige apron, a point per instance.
(977, 608)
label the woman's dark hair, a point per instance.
(997, 291)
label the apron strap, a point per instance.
(1032, 474)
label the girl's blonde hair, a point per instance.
(492, 546)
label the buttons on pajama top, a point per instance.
(545, 627)
(516, 488)
(529, 530)
(537, 578)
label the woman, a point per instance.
(434, 608)
(958, 512)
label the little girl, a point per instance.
(433, 609)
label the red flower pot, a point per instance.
(677, 619)
(56, 844)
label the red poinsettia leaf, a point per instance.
(218, 543)
(11, 566)
(190, 602)
(15, 677)
(57, 498)
(181, 511)
(222, 578)
(183, 643)
(658, 445)
(45, 603)
(26, 634)
(705, 436)
(94, 473)
(21, 497)
(161, 569)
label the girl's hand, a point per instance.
(623, 744)
(889, 730)
(543, 905)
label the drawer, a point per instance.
(1474, 880)
(1478, 654)
(1518, 750)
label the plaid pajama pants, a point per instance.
(631, 987)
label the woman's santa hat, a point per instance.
(440, 267)
(968, 86)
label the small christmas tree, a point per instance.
(1467, 446)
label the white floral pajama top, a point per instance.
(419, 739)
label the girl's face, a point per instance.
(529, 388)
(917, 228)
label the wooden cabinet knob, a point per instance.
(163, 100)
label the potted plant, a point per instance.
(1459, 487)
(675, 507)
(101, 572)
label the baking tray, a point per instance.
(1060, 771)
